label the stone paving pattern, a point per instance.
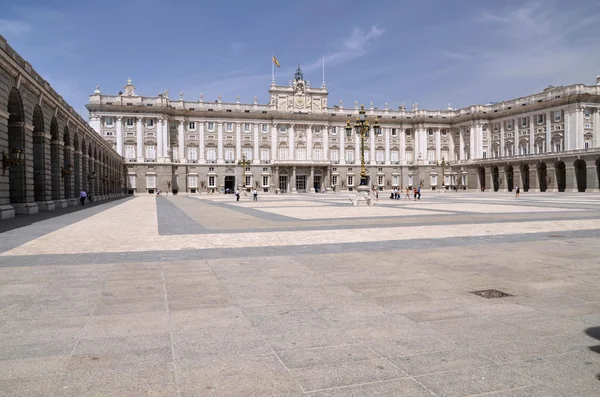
(303, 295)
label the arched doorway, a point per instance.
(77, 165)
(481, 173)
(16, 141)
(496, 178)
(67, 168)
(54, 160)
(561, 175)
(229, 183)
(543, 176)
(525, 177)
(39, 156)
(510, 178)
(580, 175)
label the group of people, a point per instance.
(397, 193)
(254, 195)
(85, 195)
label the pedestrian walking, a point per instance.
(407, 193)
(255, 194)
(237, 195)
(419, 193)
(517, 191)
(415, 193)
(82, 197)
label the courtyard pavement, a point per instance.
(305, 295)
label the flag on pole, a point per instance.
(276, 62)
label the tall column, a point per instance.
(596, 119)
(274, 148)
(325, 136)
(451, 144)
(159, 141)
(567, 129)
(120, 135)
(166, 140)
(461, 144)
(548, 143)
(516, 127)
(293, 181)
(342, 135)
(181, 141)
(238, 140)
(292, 145)
(479, 140)
(201, 149)
(579, 129)
(532, 123)
(373, 159)
(387, 145)
(309, 141)
(438, 144)
(256, 159)
(311, 182)
(402, 146)
(501, 150)
(220, 144)
(139, 133)
(357, 141)
(472, 143)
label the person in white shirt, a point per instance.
(255, 194)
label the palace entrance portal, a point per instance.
(230, 183)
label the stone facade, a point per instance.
(60, 153)
(297, 143)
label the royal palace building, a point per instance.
(548, 141)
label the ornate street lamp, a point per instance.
(15, 158)
(362, 129)
(244, 163)
(443, 164)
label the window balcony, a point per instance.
(265, 161)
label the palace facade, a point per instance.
(298, 143)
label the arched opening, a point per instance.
(16, 141)
(481, 173)
(580, 175)
(543, 176)
(67, 167)
(510, 178)
(496, 178)
(54, 160)
(84, 167)
(39, 155)
(77, 165)
(561, 175)
(525, 177)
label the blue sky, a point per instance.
(430, 52)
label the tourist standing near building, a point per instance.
(255, 194)
(82, 197)
(237, 195)
(517, 191)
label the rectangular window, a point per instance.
(587, 113)
(410, 180)
(211, 181)
(193, 153)
(509, 125)
(265, 180)
(192, 125)
(248, 180)
(586, 145)
(283, 154)
(350, 180)
(265, 127)
(367, 156)
(540, 119)
(129, 122)
(175, 153)
(445, 154)
(150, 123)
(431, 156)
(228, 127)
(193, 181)
(246, 127)
(211, 126)
(394, 132)
(229, 156)
(211, 169)
(380, 180)
(394, 155)
(524, 122)
(380, 156)
(264, 154)
(282, 128)
(247, 152)
(301, 154)
(130, 151)
(132, 182)
(109, 121)
(433, 180)
(587, 125)
(333, 130)
(211, 154)
(334, 155)
(407, 132)
(409, 156)
(349, 155)
(557, 115)
(429, 132)
(151, 181)
(317, 155)
(334, 180)
(150, 152)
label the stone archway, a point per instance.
(510, 178)
(543, 176)
(17, 178)
(525, 177)
(77, 164)
(54, 160)
(481, 173)
(67, 167)
(40, 151)
(496, 178)
(561, 175)
(580, 175)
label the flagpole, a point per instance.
(272, 68)
(323, 71)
